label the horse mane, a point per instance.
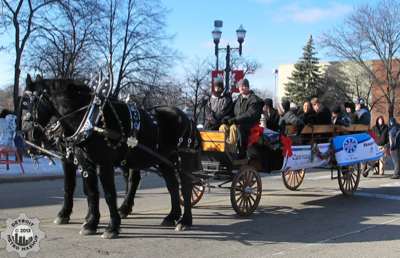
(69, 85)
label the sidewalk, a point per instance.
(32, 172)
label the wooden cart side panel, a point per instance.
(212, 141)
(324, 129)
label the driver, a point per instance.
(247, 112)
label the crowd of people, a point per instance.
(236, 118)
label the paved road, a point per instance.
(316, 221)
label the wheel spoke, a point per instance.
(247, 205)
(252, 199)
(354, 180)
(290, 178)
(240, 202)
(295, 176)
(350, 184)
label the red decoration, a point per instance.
(256, 133)
(286, 146)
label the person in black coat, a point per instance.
(339, 117)
(289, 117)
(219, 106)
(307, 115)
(363, 116)
(269, 116)
(247, 112)
(381, 131)
(322, 114)
(394, 142)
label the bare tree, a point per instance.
(21, 14)
(132, 39)
(371, 32)
(198, 85)
(155, 89)
(63, 45)
(249, 66)
(6, 98)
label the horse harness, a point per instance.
(89, 124)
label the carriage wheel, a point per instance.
(197, 193)
(246, 191)
(348, 178)
(293, 178)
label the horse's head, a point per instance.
(37, 111)
(52, 105)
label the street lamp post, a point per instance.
(216, 33)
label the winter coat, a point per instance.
(363, 116)
(290, 118)
(307, 118)
(247, 111)
(382, 134)
(271, 120)
(394, 137)
(323, 116)
(219, 107)
(342, 119)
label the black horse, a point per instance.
(169, 140)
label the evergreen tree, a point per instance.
(305, 81)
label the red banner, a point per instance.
(237, 75)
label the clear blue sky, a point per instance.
(276, 30)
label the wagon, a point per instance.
(236, 175)
(348, 176)
(313, 147)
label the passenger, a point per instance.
(363, 116)
(322, 113)
(289, 117)
(339, 117)
(219, 106)
(382, 139)
(350, 110)
(247, 112)
(394, 141)
(307, 115)
(269, 116)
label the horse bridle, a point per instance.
(30, 102)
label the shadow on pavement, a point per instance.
(346, 216)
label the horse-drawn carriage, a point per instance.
(342, 149)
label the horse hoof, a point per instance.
(182, 227)
(124, 212)
(61, 220)
(123, 215)
(109, 235)
(168, 223)
(87, 231)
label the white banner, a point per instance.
(302, 157)
(355, 148)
